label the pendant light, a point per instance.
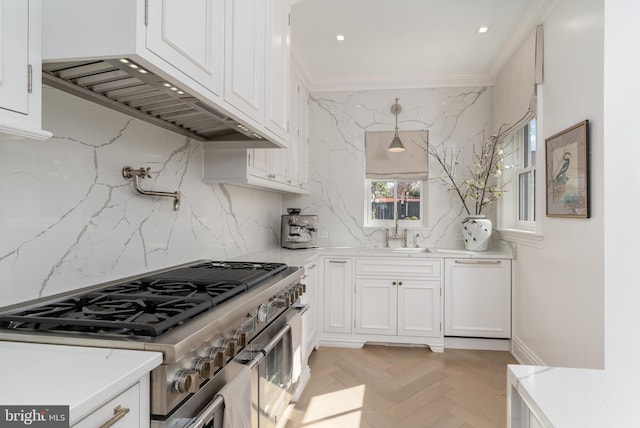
(396, 145)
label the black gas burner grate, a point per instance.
(148, 306)
(109, 313)
(215, 292)
(248, 273)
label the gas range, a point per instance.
(200, 315)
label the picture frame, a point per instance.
(567, 172)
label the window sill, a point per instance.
(530, 239)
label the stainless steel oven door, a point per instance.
(274, 357)
(277, 372)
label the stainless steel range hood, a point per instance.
(125, 86)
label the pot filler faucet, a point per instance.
(395, 235)
(138, 174)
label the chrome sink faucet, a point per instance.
(395, 235)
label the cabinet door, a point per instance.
(298, 135)
(376, 306)
(189, 38)
(14, 55)
(309, 319)
(260, 163)
(419, 308)
(277, 67)
(477, 298)
(127, 402)
(338, 289)
(244, 57)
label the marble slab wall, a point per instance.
(458, 118)
(68, 219)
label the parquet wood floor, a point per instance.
(389, 387)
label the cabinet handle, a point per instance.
(337, 261)
(393, 283)
(478, 262)
(400, 283)
(118, 413)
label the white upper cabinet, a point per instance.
(14, 61)
(298, 151)
(191, 38)
(195, 67)
(277, 67)
(20, 87)
(245, 57)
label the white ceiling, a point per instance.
(407, 43)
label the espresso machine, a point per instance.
(299, 231)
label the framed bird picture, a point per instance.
(567, 168)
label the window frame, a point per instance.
(405, 224)
(510, 205)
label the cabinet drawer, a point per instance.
(394, 267)
(129, 399)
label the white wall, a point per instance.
(457, 117)
(621, 155)
(68, 219)
(559, 293)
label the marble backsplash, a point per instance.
(458, 118)
(68, 219)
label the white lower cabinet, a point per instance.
(398, 297)
(338, 289)
(477, 298)
(129, 408)
(310, 317)
(394, 301)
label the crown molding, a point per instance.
(366, 82)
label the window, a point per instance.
(519, 204)
(394, 182)
(391, 198)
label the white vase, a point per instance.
(476, 233)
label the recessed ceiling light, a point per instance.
(340, 37)
(482, 30)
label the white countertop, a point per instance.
(300, 257)
(585, 398)
(82, 378)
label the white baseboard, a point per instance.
(477, 344)
(341, 343)
(523, 354)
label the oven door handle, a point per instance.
(262, 352)
(206, 415)
(274, 341)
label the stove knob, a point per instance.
(303, 287)
(241, 338)
(219, 355)
(233, 347)
(262, 313)
(290, 298)
(206, 367)
(282, 300)
(186, 381)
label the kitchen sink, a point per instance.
(452, 251)
(410, 250)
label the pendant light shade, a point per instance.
(396, 145)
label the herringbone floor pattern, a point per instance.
(389, 387)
